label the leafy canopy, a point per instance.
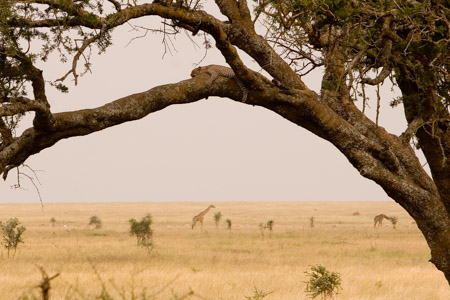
(374, 39)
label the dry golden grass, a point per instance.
(215, 263)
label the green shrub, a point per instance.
(269, 225)
(12, 234)
(217, 217)
(142, 231)
(322, 282)
(228, 224)
(95, 221)
(261, 229)
(394, 221)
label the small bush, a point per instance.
(142, 231)
(217, 217)
(311, 222)
(228, 224)
(95, 221)
(53, 222)
(322, 282)
(12, 234)
(394, 221)
(261, 229)
(269, 225)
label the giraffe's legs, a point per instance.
(378, 223)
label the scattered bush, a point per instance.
(228, 224)
(95, 221)
(261, 229)
(394, 221)
(269, 226)
(53, 222)
(142, 231)
(12, 234)
(311, 222)
(322, 283)
(217, 218)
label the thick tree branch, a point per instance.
(302, 108)
(83, 122)
(21, 108)
(241, 33)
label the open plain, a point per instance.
(217, 263)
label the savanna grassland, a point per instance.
(216, 263)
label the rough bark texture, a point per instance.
(378, 155)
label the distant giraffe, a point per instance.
(199, 217)
(378, 220)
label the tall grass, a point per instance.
(373, 263)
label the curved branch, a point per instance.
(20, 108)
(129, 108)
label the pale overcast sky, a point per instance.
(212, 150)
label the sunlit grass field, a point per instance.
(216, 263)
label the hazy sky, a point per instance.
(212, 150)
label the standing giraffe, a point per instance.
(378, 220)
(199, 217)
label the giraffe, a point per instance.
(378, 220)
(199, 217)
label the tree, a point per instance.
(12, 234)
(217, 217)
(142, 230)
(356, 45)
(95, 221)
(322, 282)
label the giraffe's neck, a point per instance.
(205, 211)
